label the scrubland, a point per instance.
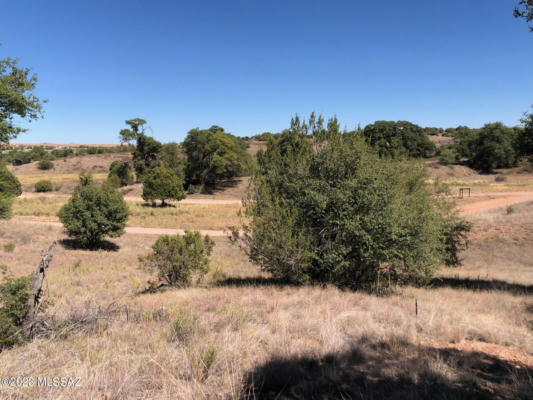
(240, 334)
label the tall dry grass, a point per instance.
(269, 339)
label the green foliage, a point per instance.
(183, 326)
(145, 156)
(525, 10)
(510, 210)
(162, 183)
(9, 184)
(448, 156)
(525, 137)
(9, 247)
(207, 359)
(6, 202)
(63, 152)
(45, 164)
(172, 157)
(122, 170)
(175, 258)
(213, 154)
(398, 139)
(94, 212)
(10, 188)
(493, 146)
(136, 129)
(44, 185)
(17, 100)
(14, 294)
(326, 208)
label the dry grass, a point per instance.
(184, 216)
(308, 341)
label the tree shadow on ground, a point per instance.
(482, 285)
(220, 186)
(76, 244)
(157, 205)
(394, 369)
(253, 281)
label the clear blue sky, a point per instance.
(250, 65)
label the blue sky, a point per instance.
(250, 65)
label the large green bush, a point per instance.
(176, 258)
(214, 155)
(94, 212)
(397, 139)
(326, 208)
(44, 185)
(493, 146)
(162, 183)
(123, 171)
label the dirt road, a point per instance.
(27, 195)
(136, 230)
(502, 200)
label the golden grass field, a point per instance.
(244, 336)
(186, 216)
(238, 334)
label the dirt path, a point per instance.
(503, 200)
(28, 195)
(137, 230)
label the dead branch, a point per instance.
(34, 300)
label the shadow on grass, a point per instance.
(482, 285)
(394, 369)
(157, 205)
(253, 281)
(220, 186)
(76, 244)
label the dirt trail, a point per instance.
(503, 200)
(27, 195)
(138, 230)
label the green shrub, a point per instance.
(45, 164)
(207, 359)
(123, 172)
(94, 212)
(5, 206)
(493, 146)
(183, 326)
(44, 186)
(510, 210)
(9, 247)
(325, 208)
(162, 183)
(10, 187)
(175, 258)
(14, 294)
(447, 157)
(9, 184)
